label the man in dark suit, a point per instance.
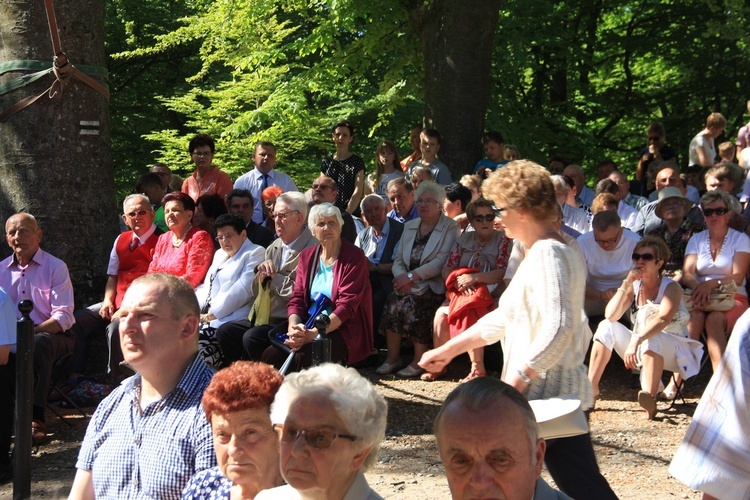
(243, 339)
(240, 202)
(378, 241)
(324, 190)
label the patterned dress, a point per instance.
(677, 244)
(411, 315)
(209, 484)
(344, 172)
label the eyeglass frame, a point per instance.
(309, 439)
(282, 215)
(137, 213)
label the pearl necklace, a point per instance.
(177, 242)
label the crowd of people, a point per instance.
(232, 277)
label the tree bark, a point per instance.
(55, 159)
(457, 42)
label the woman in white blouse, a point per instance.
(703, 147)
(539, 317)
(712, 258)
(226, 293)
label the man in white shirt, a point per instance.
(608, 250)
(263, 176)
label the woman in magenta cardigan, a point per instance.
(337, 269)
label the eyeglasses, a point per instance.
(201, 154)
(321, 186)
(320, 439)
(654, 138)
(422, 203)
(283, 215)
(498, 211)
(708, 212)
(643, 256)
(225, 237)
(609, 241)
(137, 213)
(484, 218)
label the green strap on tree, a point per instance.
(40, 69)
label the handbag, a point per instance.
(560, 417)
(208, 345)
(722, 299)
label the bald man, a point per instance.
(33, 274)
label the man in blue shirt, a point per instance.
(150, 435)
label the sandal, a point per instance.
(471, 376)
(38, 433)
(431, 377)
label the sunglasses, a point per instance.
(708, 212)
(643, 256)
(139, 213)
(498, 211)
(654, 139)
(484, 218)
(320, 439)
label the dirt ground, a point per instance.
(633, 453)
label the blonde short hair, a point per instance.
(523, 184)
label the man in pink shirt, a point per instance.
(33, 274)
(207, 179)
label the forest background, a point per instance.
(581, 78)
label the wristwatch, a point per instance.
(410, 276)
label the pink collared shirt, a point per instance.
(46, 282)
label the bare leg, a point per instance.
(716, 338)
(393, 342)
(477, 360)
(600, 356)
(653, 366)
(419, 350)
(440, 329)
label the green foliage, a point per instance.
(583, 78)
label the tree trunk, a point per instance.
(55, 160)
(457, 43)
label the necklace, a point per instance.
(176, 242)
(643, 297)
(715, 251)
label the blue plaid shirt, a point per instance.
(150, 454)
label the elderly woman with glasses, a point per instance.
(418, 286)
(659, 339)
(184, 251)
(713, 258)
(476, 265)
(237, 403)
(330, 421)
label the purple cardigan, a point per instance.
(352, 296)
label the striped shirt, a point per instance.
(150, 454)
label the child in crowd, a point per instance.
(430, 144)
(387, 168)
(511, 152)
(726, 152)
(494, 150)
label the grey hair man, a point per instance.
(241, 339)
(489, 443)
(379, 241)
